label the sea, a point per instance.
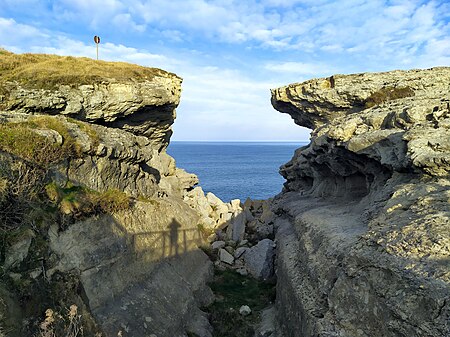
(235, 170)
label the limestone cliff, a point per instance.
(94, 212)
(364, 217)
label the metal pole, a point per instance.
(97, 51)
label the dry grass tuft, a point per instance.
(45, 71)
(79, 202)
(388, 94)
(24, 140)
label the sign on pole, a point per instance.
(97, 41)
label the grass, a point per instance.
(19, 140)
(79, 202)
(388, 94)
(23, 140)
(233, 290)
(44, 71)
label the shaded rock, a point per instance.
(10, 314)
(242, 271)
(225, 257)
(238, 227)
(243, 243)
(19, 250)
(218, 244)
(267, 325)
(229, 250)
(259, 259)
(240, 251)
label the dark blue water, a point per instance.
(235, 170)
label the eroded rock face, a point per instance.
(138, 271)
(364, 218)
(142, 107)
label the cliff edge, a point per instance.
(95, 213)
(364, 217)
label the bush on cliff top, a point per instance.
(47, 71)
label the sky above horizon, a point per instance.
(231, 53)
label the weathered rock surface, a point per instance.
(259, 259)
(364, 217)
(144, 107)
(138, 271)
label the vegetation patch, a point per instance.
(233, 290)
(80, 202)
(29, 140)
(44, 71)
(388, 94)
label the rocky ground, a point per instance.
(243, 252)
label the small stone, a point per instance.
(245, 310)
(148, 319)
(225, 257)
(36, 273)
(242, 271)
(229, 250)
(242, 243)
(212, 237)
(239, 252)
(218, 244)
(231, 243)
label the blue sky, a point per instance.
(230, 53)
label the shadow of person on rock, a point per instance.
(173, 234)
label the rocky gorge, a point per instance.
(96, 217)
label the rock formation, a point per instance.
(363, 239)
(105, 220)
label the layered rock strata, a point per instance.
(364, 218)
(136, 271)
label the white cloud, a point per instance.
(13, 34)
(301, 68)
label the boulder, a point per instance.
(259, 259)
(238, 227)
(267, 325)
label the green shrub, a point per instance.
(388, 94)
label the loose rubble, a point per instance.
(248, 247)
